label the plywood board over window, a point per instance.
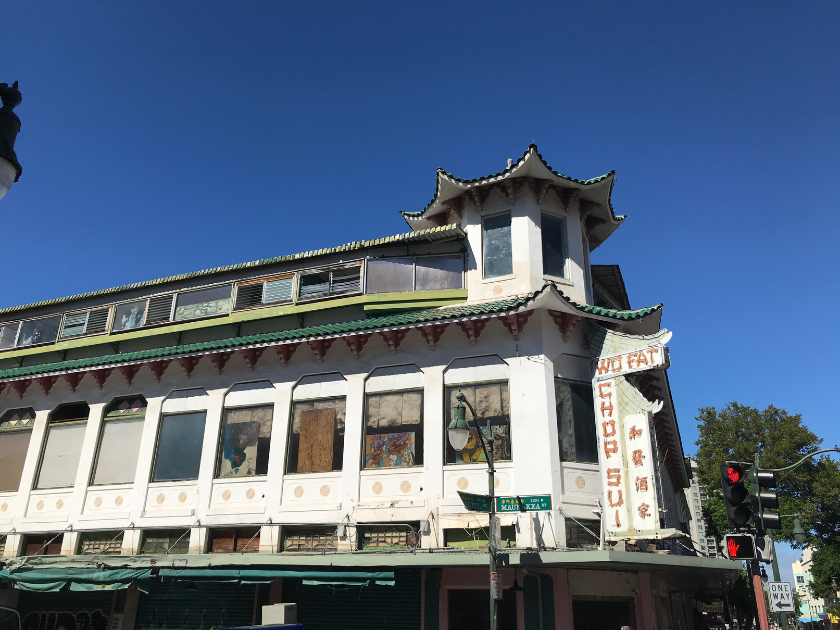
(15, 433)
(119, 445)
(316, 442)
(66, 432)
(394, 429)
(245, 442)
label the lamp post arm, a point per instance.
(808, 456)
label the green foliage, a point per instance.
(737, 433)
(825, 566)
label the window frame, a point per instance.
(310, 271)
(111, 310)
(15, 430)
(554, 214)
(414, 258)
(559, 443)
(422, 431)
(290, 434)
(447, 418)
(136, 417)
(161, 418)
(22, 322)
(220, 445)
(45, 443)
(484, 275)
(262, 280)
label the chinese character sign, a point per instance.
(624, 423)
(613, 469)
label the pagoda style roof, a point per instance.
(594, 194)
(471, 318)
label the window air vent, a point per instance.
(160, 309)
(271, 291)
(328, 282)
(85, 323)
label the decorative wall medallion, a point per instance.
(463, 484)
(118, 501)
(250, 494)
(497, 290)
(299, 492)
(325, 491)
(580, 482)
(225, 495)
(496, 482)
(4, 507)
(160, 498)
(182, 497)
(59, 504)
(97, 502)
(377, 488)
(40, 505)
(405, 486)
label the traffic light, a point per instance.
(764, 501)
(735, 495)
(740, 546)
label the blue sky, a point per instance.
(161, 138)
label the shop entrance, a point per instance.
(469, 609)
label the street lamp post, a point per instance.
(459, 434)
(9, 127)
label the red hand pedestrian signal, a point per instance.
(740, 546)
(734, 474)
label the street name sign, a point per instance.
(536, 503)
(781, 596)
(475, 502)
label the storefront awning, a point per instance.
(54, 579)
(77, 579)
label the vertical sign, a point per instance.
(613, 469)
(496, 586)
(624, 424)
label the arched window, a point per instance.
(316, 438)
(119, 445)
(15, 433)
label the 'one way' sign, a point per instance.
(781, 596)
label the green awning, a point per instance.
(225, 573)
(78, 579)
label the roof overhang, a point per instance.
(594, 194)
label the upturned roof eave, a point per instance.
(546, 298)
(531, 164)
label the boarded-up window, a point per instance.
(491, 402)
(119, 446)
(423, 273)
(390, 275)
(303, 539)
(101, 543)
(244, 448)
(582, 533)
(179, 447)
(65, 435)
(316, 443)
(238, 540)
(576, 421)
(163, 541)
(15, 433)
(42, 544)
(436, 273)
(390, 536)
(394, 429)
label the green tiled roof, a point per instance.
(443, 232)
(440, 314)
(502, 174)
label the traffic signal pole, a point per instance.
(758, 587)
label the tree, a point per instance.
(737, 433)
